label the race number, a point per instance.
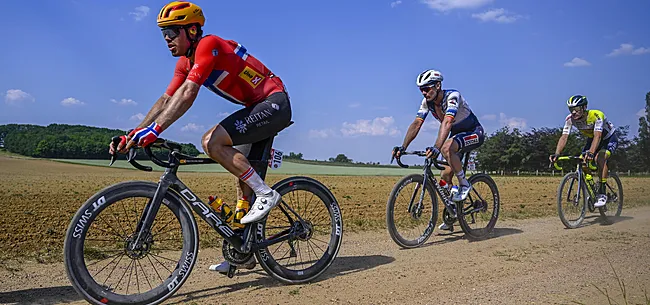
(276, 158)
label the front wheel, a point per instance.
(571, 206)
(304, 257)
(411, 212)
(101, 260)
(478, 213)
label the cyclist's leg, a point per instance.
(460, 144)
(608, 147)
(244, 191)
(249, 125)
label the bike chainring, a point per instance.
(233, 256)
(448, 218)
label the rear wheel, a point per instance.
(478, 213)
(306, 256)
(614, 190)
(100, 259)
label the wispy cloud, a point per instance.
(498, 15)
(124, 102)
(489, 117)
(448, 5)
(16, 96)
(137, 117)
(191, 127)
(355, 105)
(395, 3)
(223, 114)
(140, 12)
(641, 112)
(71, 101)
(628, 49)
(377, 127)
(321, 133)
(577, 62)
(512, 122)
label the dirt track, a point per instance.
(526, 262)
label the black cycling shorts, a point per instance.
(259, 121)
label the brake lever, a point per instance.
(115, 141)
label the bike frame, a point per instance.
(581, 179)
(169, 180)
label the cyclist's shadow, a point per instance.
(591, 220)
(443, 238)
(342, 265)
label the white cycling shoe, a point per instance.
(224, 266)
(446, 227)
(263, 204)
(601, 200)
(459, 193)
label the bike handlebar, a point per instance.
(436, 163)
(590, 164)
(161, 143)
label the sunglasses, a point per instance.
(426, 89)
(171, 31)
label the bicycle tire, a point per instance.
(480, 233)
(390, 207)
(289, 276)
(73, 251)
(619, 207)
(568, 224)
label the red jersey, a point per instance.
(226, 68)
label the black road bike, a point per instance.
(572, 207)
(105, 259)
(420, 213)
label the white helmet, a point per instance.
(428, 77)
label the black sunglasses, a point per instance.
(426, 88)
(171, 31)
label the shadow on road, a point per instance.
(342, 266)
(597, 219)
(46, 296)
(458, 235)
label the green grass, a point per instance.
(287, 168)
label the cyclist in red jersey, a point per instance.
(226, 68)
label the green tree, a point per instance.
(643, 140)
(341, 158)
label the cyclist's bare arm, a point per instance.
(561, 143)
(412, 132)
(595, 141)
(445, 127)
(155, 110)
(178, 104)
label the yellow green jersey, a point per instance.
(593, 120)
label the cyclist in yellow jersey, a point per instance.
(600, 133)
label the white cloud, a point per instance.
(192, 127)
(489, 117)
(140, 12)
(124, 102)
(395, 3)
(15, 96)
(628, 49)
(498, 15)
(71, 101)
(577, 62)
(222, 114)
(137, 117)
(641, 112)
(321, 134)
(377, 127)
(430, 125)
(447, 5)
(354, 105)
(512, 122)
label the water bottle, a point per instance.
(222, 209)
(242, 208)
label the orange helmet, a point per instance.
(180, 13)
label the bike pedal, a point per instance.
(231, 271)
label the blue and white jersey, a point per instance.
(454, 106)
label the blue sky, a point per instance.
(349, 66)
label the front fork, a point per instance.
(148, 216)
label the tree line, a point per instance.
(512, 150)
(67, 141)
